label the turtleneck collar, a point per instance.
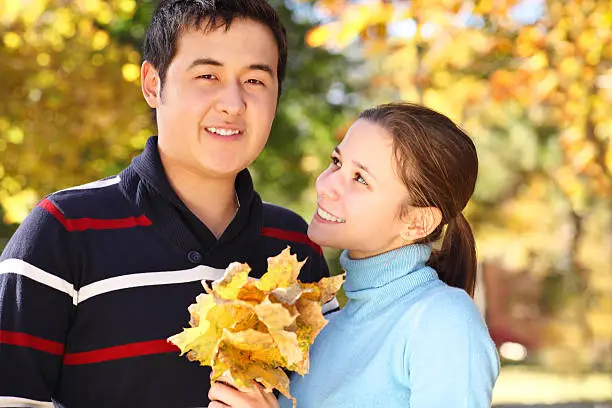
(379, 281)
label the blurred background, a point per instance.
(531, 82)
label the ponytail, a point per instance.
(455, 262)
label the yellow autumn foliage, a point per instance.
(248, 330)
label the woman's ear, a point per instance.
(150, 84)
(419, 222)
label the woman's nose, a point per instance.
(327, 185)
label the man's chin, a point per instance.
(221, 170)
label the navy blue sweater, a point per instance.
(98, 276)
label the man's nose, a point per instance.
(231, 100)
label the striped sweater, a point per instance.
(98, 276)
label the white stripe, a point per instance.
(198, 273)
(331, 305)
(21, 267)
(95, 184)
(15, 402)
(135, 280)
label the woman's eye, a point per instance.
(207, 76)
(336, 162)
(360, 179)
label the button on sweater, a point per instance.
(404, 339)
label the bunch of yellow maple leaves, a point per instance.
(248, 330)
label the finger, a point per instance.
(217, 404)
(270, 399)
(221, 380)
(219, 391)
(230, 395)
(268, 394)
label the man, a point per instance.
(98, 276)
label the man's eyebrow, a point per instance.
(262, 67)
(205, 61)
(210, 61)
(361, 166)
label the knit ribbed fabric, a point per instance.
(376, 283)
(404, 339)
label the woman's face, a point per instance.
(359, 196)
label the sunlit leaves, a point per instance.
(353, 20)
(67, 89)
(247, 329)
(558, 63)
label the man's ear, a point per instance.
(420, 222)
(151, 85)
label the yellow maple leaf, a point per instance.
(248, 330)
(324, 290)
(283, 271)
(310, 314)
(274, 315)
(235, 277)
(250, 293)
(289, 295)
(233, 366)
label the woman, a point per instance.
(410, 334)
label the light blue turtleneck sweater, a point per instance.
(404, 339)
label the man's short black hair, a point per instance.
(172, 17)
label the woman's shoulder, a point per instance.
(445, 296)
(445, 309)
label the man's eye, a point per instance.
(207, 76)
(360, 179)
(253, 81)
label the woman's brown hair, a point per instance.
(438, 164)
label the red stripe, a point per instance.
(26, 340)
(290, 236)
(81, 224)
(118, 352)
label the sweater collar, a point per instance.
(397, 272)
(149, 167)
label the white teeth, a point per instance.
(223, 132)
(327, 216)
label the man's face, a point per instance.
(218, 100)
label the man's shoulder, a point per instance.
(43, 237)
(93, 189)
(99, 199)
(283, 227)
(279, 217)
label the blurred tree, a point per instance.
(66, 87)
